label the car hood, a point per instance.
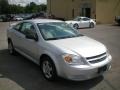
(83, 45)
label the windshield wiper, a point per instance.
(52, 39)
(64, 37)
(74, 36)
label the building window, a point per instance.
(86, 12)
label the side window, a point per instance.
(17, 27)
(79, 19)
(27, 28)
(86, 19)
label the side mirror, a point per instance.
(32, 36)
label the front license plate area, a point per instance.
(102, 69)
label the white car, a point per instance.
(82, 22)
(59, 49)
(17, 18)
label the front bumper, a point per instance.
(85, 72)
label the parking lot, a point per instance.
(18, 73)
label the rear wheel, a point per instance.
(11, 47)
(48, 69)
(76, 26)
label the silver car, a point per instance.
(59, 49)
(82, 22)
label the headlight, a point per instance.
(107, 52)
(73, 59)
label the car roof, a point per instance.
(36, 21)
(43, 20)
(81, 17)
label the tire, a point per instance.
(48, 69)
(11, 47)
(92, 25)
(76, 26)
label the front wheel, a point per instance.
(76, 26)
(92, 25)
(11, 47)
(48, 69)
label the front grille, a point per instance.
(96, 56)
(97, 59)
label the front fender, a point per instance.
(55, 58)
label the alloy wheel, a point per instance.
(47, 69)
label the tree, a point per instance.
(4, 7)
(32, 7)
(16, 9)
(43, 7)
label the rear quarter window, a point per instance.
(17, 27)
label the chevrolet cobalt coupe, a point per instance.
(59, 49)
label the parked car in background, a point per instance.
(1, 19)
(82, 22)
(27, 16)
(17, 18)
(40, 15)
(35, 15)
(5, 18)
(59, 49)
(117, 19)
(54, 17)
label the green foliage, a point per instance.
(31, 8)
(5, 8)
(16, 9)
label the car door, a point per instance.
(16, 36)
(84, 22)
(29, 45)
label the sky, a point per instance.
(24, 2)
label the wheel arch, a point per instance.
(43, 56)
(53, 58)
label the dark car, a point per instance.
(54, 17)
(117, 19)
(5, 18)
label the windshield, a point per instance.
(57, 30)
